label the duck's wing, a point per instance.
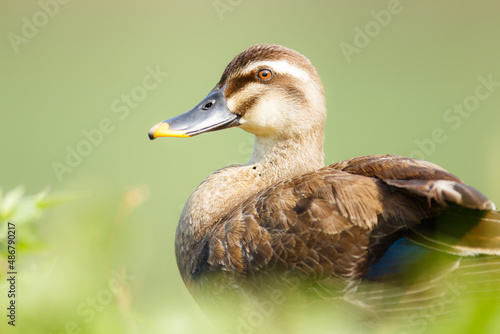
(340, 220)
(457, 229)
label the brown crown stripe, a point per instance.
(264, 52)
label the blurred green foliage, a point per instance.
(24, 210)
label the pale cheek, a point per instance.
(266, 117)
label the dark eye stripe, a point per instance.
(295, 93)
(239, 83)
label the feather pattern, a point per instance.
(339, 220)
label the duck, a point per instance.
(286, 212)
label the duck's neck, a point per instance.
(287, 157)
(273, 160)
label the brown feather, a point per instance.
(329, 222)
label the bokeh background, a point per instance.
(110, 214)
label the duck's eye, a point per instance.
(265, 75)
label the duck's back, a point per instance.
(338, 222)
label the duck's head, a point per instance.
(267, 90)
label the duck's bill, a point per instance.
(211, 114)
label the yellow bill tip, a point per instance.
(163, 130)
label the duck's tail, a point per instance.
(463, 232)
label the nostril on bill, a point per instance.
(208, 105)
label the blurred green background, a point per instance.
(66, 68)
